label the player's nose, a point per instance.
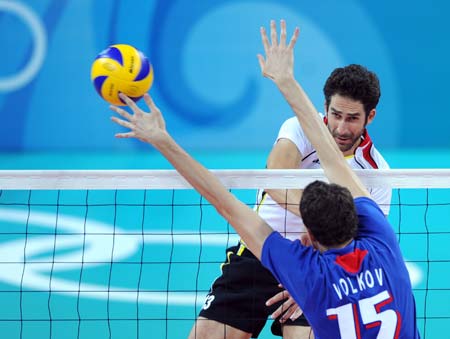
(342, 128)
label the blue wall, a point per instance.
(207, 78)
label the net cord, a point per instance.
(233, 179)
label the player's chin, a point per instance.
(342, 142)
(344, 147)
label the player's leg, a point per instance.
(293, 329)
(236, 301)
(211, 329)
(297, 332)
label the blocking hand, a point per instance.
(147, 127)
(278, 63)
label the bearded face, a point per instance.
(347, 121)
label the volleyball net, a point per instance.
(132, 254)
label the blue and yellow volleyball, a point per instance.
(124, 69)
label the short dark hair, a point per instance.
(355, 82)
(328, 211)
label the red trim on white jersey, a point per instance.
(366, 146)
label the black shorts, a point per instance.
(238, 297)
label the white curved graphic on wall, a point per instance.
(42, 266)
(39, 38)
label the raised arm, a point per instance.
(277, 65)
(150, 128)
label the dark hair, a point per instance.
(328, 211)
(355, 82)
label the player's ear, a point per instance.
(371, 116)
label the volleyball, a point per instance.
(121, 69)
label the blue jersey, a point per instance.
(362, 290)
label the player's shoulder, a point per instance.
(292, 121)
(368, 206)
(364, 201)
(379, 158)
(291, 129)
(368, 156)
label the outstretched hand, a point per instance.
(278, 63)
(288, 309)
(147, 127)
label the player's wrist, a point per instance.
(285, 82)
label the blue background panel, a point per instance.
(207, 78)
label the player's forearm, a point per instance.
(331, 158)
(310, 121)
(252, 229)
(288, 199)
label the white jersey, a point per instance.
(365, 157)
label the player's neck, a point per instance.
(323, 248)
(352, 150)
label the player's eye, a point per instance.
(336, 115)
